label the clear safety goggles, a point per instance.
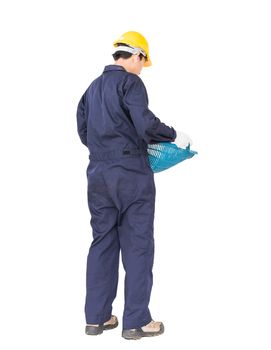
(133, 50)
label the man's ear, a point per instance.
(137, 57)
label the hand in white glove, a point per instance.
(182, 140)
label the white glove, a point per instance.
(182, 140)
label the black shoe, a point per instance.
(138, 333)
(96, 330)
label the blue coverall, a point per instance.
(116, 125)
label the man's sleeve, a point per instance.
(147, 125)
(82, 120)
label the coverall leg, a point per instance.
(121, 201)
(103, 256)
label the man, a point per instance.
(114, 122)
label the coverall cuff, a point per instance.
(99, 319)
(174, 134)
(131, 324)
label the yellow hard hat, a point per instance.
(135, 40)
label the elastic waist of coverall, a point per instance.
(117, 153)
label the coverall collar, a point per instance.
(114, 67)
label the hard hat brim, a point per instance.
(148, 63)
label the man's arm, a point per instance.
(82, 120)
(147, 125)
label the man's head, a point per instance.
(132, 52)
(132, 62)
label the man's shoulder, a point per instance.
(132, 79)
(122, 78)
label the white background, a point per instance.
(211, 79)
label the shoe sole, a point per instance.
(136, 334)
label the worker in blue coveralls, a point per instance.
(116, 125)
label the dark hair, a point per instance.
(123, 54)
